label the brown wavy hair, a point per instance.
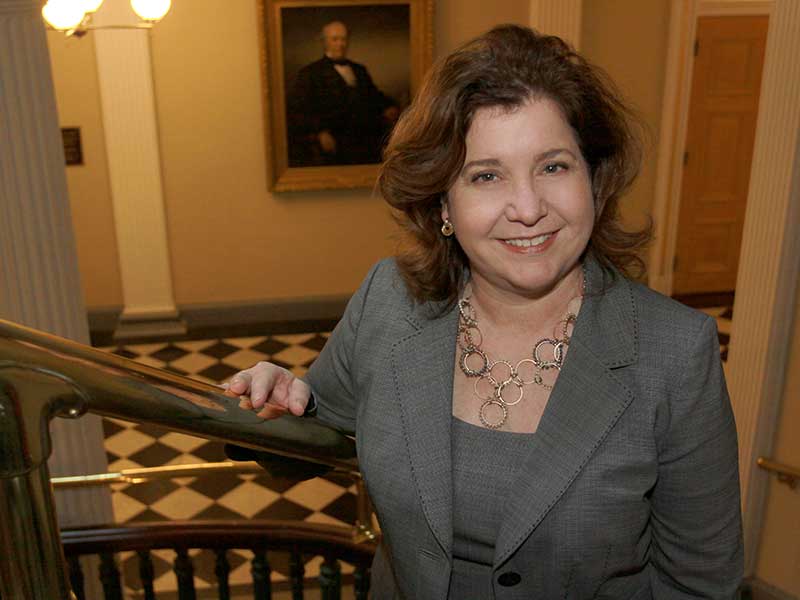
(504, 68)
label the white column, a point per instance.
(134, 164)
(39, 281)
(769, 263)
(558, 17)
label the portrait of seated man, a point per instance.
(335, 113)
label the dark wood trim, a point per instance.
(308, 538)
(245, 590)
(706, 300)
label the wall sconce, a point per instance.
(74, 17)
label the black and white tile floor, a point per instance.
(327, 499)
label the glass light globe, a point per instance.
(151, 10)
(63, 14)
(91, 6)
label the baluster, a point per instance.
(221, 569)
(262, 586)
(361, 582)
(184, 571)
(330, 579)
(146, 574)
(296, 572)
(76, 577)
(109, 577)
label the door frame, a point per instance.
(769, 266)
(674, 125)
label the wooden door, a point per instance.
(729, 54)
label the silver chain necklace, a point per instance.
(500, 383)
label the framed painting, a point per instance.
(336, 75)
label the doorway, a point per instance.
(723, 109)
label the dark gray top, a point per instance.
(486, 463)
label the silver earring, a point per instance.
(447, 228)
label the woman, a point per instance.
(529, 422)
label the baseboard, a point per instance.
(232, 319)
(103, 318)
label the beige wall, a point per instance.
(628, 38)
(75, 77)
(458, 21)
(779, 552)
(230, 239)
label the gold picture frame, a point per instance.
(389, 40)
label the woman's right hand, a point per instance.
(270, 390)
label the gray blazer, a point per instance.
(630, 487)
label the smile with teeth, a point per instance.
(529, 242)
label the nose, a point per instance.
(527, 204)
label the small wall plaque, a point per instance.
(73, 151)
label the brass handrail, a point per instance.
(786, 474)
(43, 376)
(145, 474)
(365, 529)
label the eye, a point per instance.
(553, 168)
(484, 177)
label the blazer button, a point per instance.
(509, 579)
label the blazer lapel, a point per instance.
(584, 405)
(423, 364)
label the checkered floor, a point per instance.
(329, 499)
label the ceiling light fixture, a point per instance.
(74, 17)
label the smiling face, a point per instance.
(522, 204)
